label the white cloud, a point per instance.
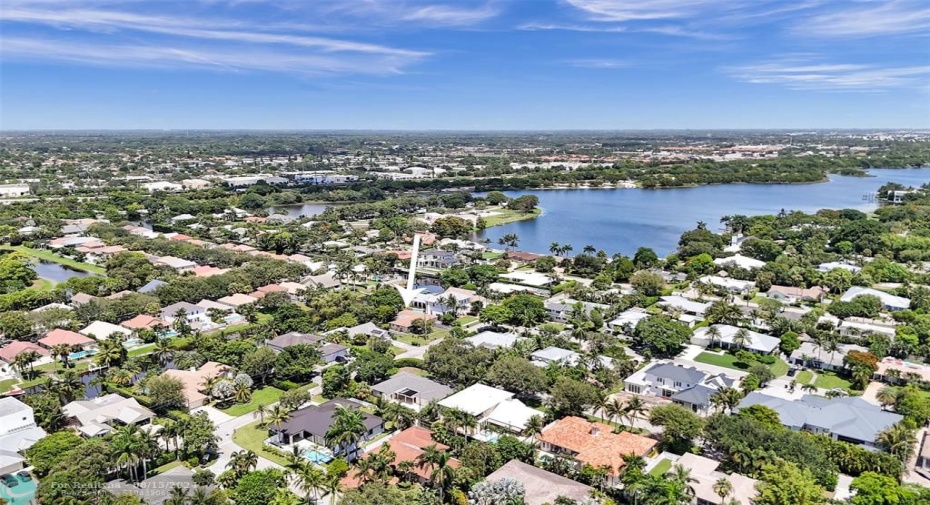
(870, 19)
(571, 28)
(638, 10)
(809, 74)
(210, 58)
(219, 44)
(598, 63)
(451, 16)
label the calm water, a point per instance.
(57, 273)
(304, 209)
(621, 220)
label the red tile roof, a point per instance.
(407, 445)
(595, 443)
(17, 347)
(59, 336)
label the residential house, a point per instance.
(895, 371)
(59, 336)
(194, 380)
(453, 299)
(729, 338)
(833, 265)
(79, 299)
(529, 278)
(180, 265)
(411, 390)
(705, 476)
(407, 445)
(367, 329)
(688, 311)
(143, 322)
(151, 286)
(437, 258)
(9, 352)
(279, 343)
(626, 321)
(542, 487)
(96, 417)
(332, 353)
(594, 444)
(101, 330)
(494, 340)
(195, 315)
(853, 328)
(237, 300)
(848, 419)
(813, 356)
(740, 261)
(689, 387)
(791, 294)
(565, 357)
(729, 284)
(493, 409)
(889, 301)
(18, 432)
(561, 309)
(312, 423)
(405, 318)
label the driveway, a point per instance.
(414, 351)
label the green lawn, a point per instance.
(142, 349)
(251, 437)
(829, 380)
(54, 258)
(729, 361)
(491, 255)
(266, 396)
(41, 284)
(662, 467)
(466, 320)
(505, 216)
(7, 384)
(168, 466)
(804, 377)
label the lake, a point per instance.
(301, 209)
(622, 220)
(56, 272)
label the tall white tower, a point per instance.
(412, 274)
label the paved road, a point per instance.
(413, 351)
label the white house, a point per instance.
(756, 342)
(688, 387)
(18, 432)
(732, 285)
(560, 309)
(196, 315)
(627, 320)
(889, 302)
(102, 330)
(740, 261)
(833, 265)
(494, 340)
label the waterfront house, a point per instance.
(60, 336)
(101, 330)
(195, 315)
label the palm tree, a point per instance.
(25, 360)
(723, 487)
(241, 462)
(742, 338)
(111, 351)
(162, 352)
(534, 426)
(346, 430)
(898, 440)
(810, 388)
(589, 249)
(243, 393)
(332, 486)
(615, 409)
(441, 472)
(713, 335)
(567, 248)
(119, 376)
(260, 410)
(886, 396)
(178, 496)
(278, 415)
(124, 446)
(726, 398)
(67, 385)
(554, 248)
(62, 352)
(635, 407)
(311, 481)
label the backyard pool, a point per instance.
(132, 342)
(21, 493)
(82, 354)
(317, 456)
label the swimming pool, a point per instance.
(131, 342)
(317, 456)
(82, 354)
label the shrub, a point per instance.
(766, 360)
(285, 385)
(408, 362)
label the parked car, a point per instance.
(24, 476)
(9, 480)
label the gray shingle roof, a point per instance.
(425, 389)
(676, 373)
(317, 419)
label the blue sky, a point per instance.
(464, 64)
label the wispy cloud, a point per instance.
(416, 13)
(805, 73)
(598, 63)
(571, 28)
(637, 10)
(452, 16)
(109, 37)
(870, 19)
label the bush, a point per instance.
(766, 360)
(192, 462)
(285, 385)
(408, 362)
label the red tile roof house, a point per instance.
(59, 336)
(17, 347)
(593, 443)
(407, 445)
(143, 322)
(405, 320)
